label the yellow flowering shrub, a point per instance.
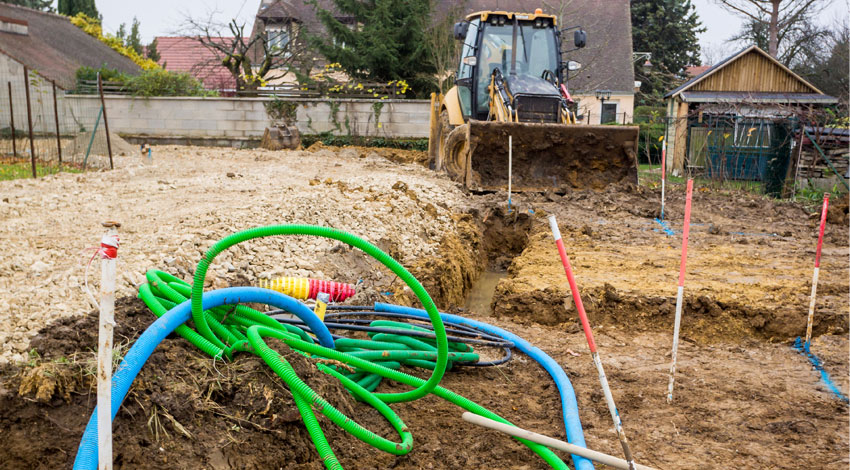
(93, 28)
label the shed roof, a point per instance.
(55, 48)
(755, 97)
(773, 64)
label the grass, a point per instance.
(11, 169)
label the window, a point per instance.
(278, 38)
(536, 53)
(609, 113)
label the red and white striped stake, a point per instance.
(681, 288)
(817, 269)
(606, 390)
(663, 173)
(109, 252)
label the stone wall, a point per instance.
(239, 121)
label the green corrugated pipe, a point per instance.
(202, 324)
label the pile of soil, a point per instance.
(392, 154)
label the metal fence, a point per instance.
(38, 124)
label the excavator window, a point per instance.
(466, 69)
(537, 52)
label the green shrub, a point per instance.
(109, 75)
(159, 82)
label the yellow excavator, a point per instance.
(511, 102)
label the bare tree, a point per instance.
(776, 15)
(443, 49)
(248, 58)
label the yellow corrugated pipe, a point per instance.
(297, 287)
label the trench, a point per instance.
(504, 237)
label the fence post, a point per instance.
(56, 116)
(29, 119)
(105, 121)
(12, 121)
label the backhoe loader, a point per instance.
(512, 82)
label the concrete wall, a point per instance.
(233, 121)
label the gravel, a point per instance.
(171, 211)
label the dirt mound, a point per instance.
(838, 211)
(195, 412)
(391, 154)
(707, 320)
(184, 412)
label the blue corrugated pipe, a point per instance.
(572, 423)
(162, 327)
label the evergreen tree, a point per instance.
(152, 52)
(42, 5)
(134, 40)
(668, 30)
(72, 7)
(388, 41)
(122, 32)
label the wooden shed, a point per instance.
(736, 120)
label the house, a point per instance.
(51, 46)
(736, 120)
(188, 55)
(606, 62)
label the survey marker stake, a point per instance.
(606, 390)
(681, 289)
(816, 272)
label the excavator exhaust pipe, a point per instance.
(546, 157)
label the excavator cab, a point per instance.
(511, 81)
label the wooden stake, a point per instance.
(681, 289)
(104, 345)
(816, 272)
(663, 174)
(510, 166)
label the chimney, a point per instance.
(14, 26)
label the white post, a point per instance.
(510, 166)
(550, 442)
(680, 290)
(108, 251)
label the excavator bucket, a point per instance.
(545, 157)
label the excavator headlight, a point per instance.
(538, 23)
(501, 21)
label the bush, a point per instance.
(159, 82)
(109, 75)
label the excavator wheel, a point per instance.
(455, 153)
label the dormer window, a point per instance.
(278, 37)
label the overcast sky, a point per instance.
(163, 17)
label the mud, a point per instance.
(748, 270)
(551, 156)
(183, 412)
